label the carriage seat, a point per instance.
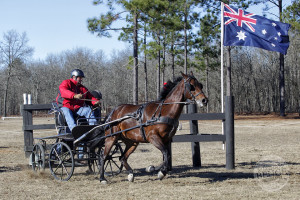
(60, 120)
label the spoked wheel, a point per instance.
(61, 161)
(38, 158)
(113, 166)
(93, 160)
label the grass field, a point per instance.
(266, 154)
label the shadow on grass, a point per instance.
(211, 172)
(186, 171)
(215, 173)
(10, 169)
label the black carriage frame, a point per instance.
(65, 153)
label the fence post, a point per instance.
(192, 108)
(229, 131)
(28, 134)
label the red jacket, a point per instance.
(67, 89)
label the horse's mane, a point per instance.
(168, 88)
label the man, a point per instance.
(97, 111)
(71, 97)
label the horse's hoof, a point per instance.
(130, 177)
(150, 168)
(104, 182)
(160, 175)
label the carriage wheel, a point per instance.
(113, 166)
(93, 160)
(38, 158)
(61, 161)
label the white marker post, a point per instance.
(25, 98)
(29, 98)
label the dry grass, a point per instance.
(255, 139)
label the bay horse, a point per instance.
(154, 122)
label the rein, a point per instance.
(185, 103)
(88, 100)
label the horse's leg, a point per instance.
(130, 148)
(109, 143)
(152, 168)
(157, 142)
(157, 168)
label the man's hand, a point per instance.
(98, 103)
(78, 96)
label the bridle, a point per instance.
(187, 88)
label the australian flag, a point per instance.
(247, 29)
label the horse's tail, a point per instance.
(107, 118)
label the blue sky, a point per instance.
(53, 26)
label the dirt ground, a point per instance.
(266, 155)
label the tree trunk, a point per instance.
(281, 72)
(5, 96)
(158, 69)
(185, 38)
(6, 90)
(164, 59)
(145, 67)
(173, 61)
(135, 56)
(281, 85)
(206, 90)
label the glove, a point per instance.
(98, 103)
(77, 96)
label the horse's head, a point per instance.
(193, 90)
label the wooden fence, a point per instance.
(28, 126)
(194, 137)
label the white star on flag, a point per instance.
(279, 34)
(264, 31)
(273, 45)
(275, 38)
(241, 35)
(273, 24)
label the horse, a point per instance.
(154, 122)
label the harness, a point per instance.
(139, 116)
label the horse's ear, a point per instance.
(192, 74)
(184, 75)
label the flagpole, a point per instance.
(222, 67)
(222, 58)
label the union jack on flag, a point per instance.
(242, 28)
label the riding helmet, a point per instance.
(77, 72)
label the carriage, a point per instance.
(100, 147)
(80, 148)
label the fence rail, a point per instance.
(202, 116)
(194, 137)
(28, 126)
